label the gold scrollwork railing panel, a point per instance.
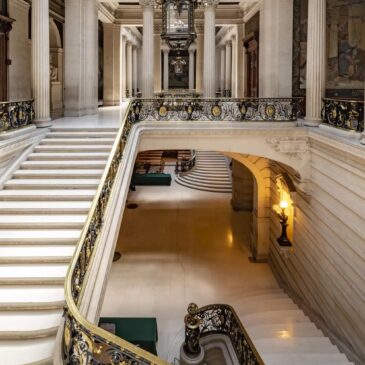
(84, 343)
(15, 114)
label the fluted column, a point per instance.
(123, 52)
(228, 83)
(147, 50)
(223, 69)
(135, 70)
(316, 61)
(166, 68)
(129, 69)
(40, 62)
(191, 67)
(234, 78)
(363, 133)
(209, 48)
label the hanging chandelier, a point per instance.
(178, 23)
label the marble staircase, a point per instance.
(43, 208)
(281, 332)
(210, 173)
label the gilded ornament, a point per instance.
(216, 111)
(270, 110)
(162, 111)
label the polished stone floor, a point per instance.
(180, 246)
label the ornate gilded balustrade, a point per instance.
(267, 109)
(83, 343)
(343, 113)
(218, 319)
(15, 114)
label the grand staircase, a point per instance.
(43, 208)
(280, 331)
(211, 173)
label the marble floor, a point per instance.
(180, 246)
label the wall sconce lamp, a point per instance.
(280, 210)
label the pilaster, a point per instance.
(166, 68)
(192, 49)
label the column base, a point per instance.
(43, 123)
(362, 140)
(186, 360)
(312, 122)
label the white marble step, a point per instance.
(51, 195)
(77, 141)
(81, 134)
(26, 351)
(208, 189)
(62, 174)
(52, 184)
(50, 236)
(205, 185)
(265, 305)
(36, 251)
(33, 271)
(29, 321)
(274, 317)
(42, 207)
(50, 156)
(74, 148)
(84, 129)
(208, 181)
(210, 163)
(306, 359)
(31, 294)
(19, 221)
(50, 165)
(298, 345)
(283, 331)
(199, 172)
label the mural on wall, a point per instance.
(345, 44)
(178, 70)
(345, 48)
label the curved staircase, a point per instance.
(280, 331)
(43, 208)
(211, 173)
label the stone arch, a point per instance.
(54, 35)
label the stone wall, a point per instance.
(242, 187)
(325, 269)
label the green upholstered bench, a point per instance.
(151, 179)
(139, 331)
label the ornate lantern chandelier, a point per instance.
(178, 23)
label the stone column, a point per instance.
(135, 70)
(157, 61)
(316, 61)
(129, 69)
(123, 51)
(191, 67)
(40, 62)
(363, 133)
(166, 68)
(234, 80)
(223, 69)
(81, 57)
(228, 83)
(147, 50)
(209, 48)
(199, 57)
(112, 69)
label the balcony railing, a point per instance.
(251, 109)
(344, 113)
(15, 114)
(84, 343)
(218, 319)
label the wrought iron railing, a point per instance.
(16, 114)
(218, 319)
(344, 113)
(251, 109)
(83, 343)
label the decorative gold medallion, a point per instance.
(190, 109)
(162, 111)
(243, 109)
(216, 111)
(270, 110)
(67, 334)
(137, 110)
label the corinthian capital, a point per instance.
(210, 3)
(147, 3)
